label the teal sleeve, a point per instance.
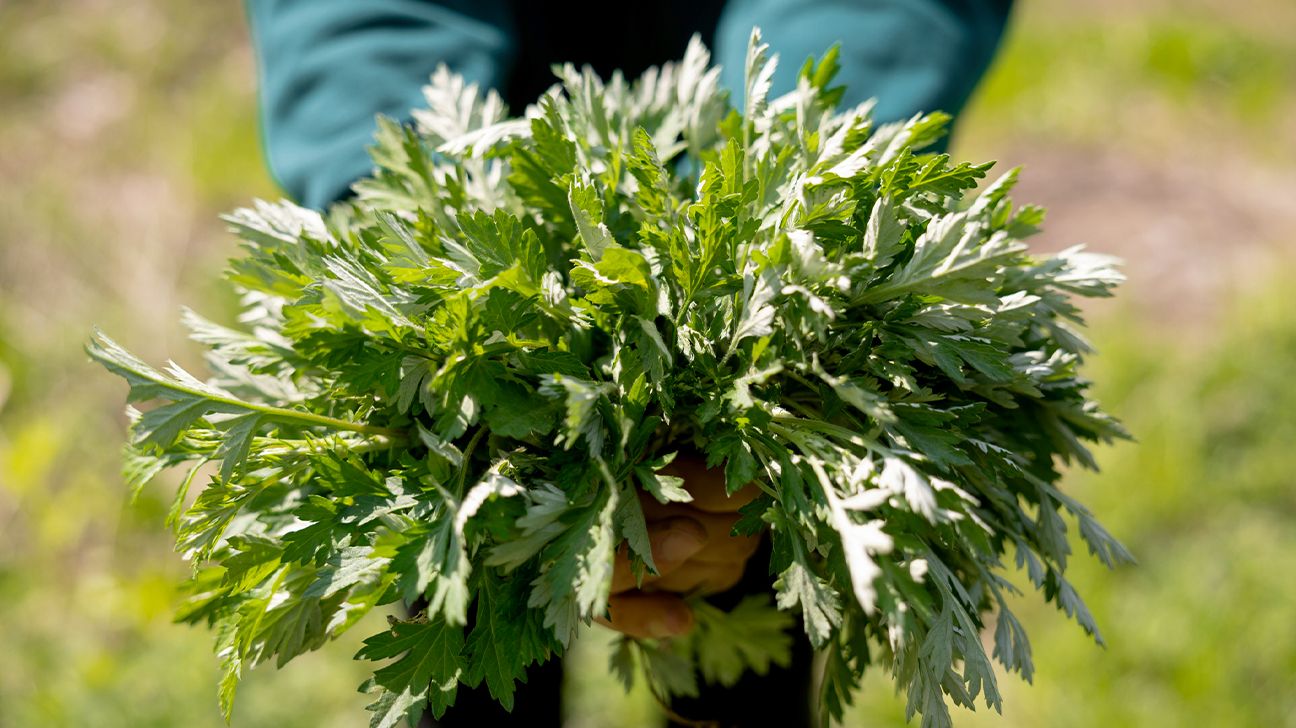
(327, 67)
(912, 55)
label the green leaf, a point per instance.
(573, 585)
(633, 527)
(751, 636)
(820, 606)
(506, 639)
(582, 420)
(349, 567)
(671, 673)
(757, 317)
(587, 211)
(434, 563)
(396, 708)
(427, 666)
(759, 73)
(234, 448)
(665, 488)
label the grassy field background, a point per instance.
(1160, 131)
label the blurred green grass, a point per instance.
(129, 125)
(1148, 78)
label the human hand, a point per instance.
(693, 550)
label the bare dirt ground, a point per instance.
(1191, 234)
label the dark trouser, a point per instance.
(779, 698)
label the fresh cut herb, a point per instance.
(450, 390)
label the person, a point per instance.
(328, 67)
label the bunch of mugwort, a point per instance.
(452, 390)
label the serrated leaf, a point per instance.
(751, 636)
(506, 638)
(428, 662)
(820, 606)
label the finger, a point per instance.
(701, 577)
(672, 541)
(721, 544)
(654, 615)
(707, 486)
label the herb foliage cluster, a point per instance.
(450, 389)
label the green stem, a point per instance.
(281, 413)
(796, 376)
(809, 413)
(373, 443)
(827, 428)
(125, 364)
(467, 457)
(325, 421)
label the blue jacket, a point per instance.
(327, 67)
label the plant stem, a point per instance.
(467, 456)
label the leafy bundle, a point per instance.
(448, 391)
